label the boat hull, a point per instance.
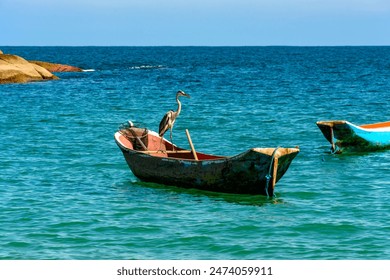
(255, 171)
(343, 135)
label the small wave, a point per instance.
(89, 70)
(143, 67)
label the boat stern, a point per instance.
(344, 135)
(335, 132)
(273, 164)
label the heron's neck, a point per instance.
(178, 105)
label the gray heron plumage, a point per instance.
(169, 118)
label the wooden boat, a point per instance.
(153, 159)
(345, 135)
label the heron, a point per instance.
(169, 118)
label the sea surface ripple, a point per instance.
(67, 193)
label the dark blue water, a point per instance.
(67, 193)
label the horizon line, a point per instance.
(195, 46)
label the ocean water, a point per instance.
(67, 193)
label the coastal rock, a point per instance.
(54, 67)
(1, 52)
(15, 69)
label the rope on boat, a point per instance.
(126, 129)
(269, 176)
(334, 150)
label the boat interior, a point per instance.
(151, 143)
(376, 125)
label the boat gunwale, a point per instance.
(265, 151)
(374, 127)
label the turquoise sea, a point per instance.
(67, 193)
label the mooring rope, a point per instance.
(127, 130)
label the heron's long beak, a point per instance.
(185, 94)
(182, 93)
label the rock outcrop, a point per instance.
(54, 67)
(15, 69)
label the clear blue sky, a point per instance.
(194, 22)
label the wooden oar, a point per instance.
(138, 139)
(191, 145)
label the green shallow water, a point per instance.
(67, 193)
